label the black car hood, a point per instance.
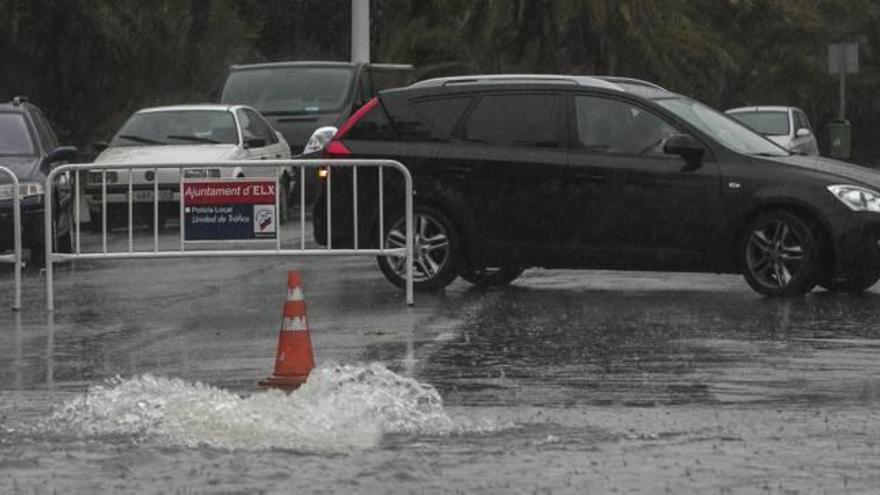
(842, 170)
(24, 167)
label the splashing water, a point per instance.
(340, 408)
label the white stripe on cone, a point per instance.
(295, 294)
(296, 324)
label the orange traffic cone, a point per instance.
(294, 360)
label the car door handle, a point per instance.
(587, 177)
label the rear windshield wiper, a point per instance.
(139, 139)
(195, 139)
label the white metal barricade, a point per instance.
(15, 257)
(301, 166)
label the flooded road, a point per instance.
(143, 382)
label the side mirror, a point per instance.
(687, 147)
(100, 146)
(62, 154)
(255, 143)
(803, 132)
(684, 145)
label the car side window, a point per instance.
(800, 121)
(439, 115)
(44, 130)
(606, 125)
(253, 126)
(521, 120)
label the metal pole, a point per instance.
(360, 31)
(16, 234)
(409, 238)
(47, 229)
(16, 226)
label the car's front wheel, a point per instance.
(780, 255)
(435, 251)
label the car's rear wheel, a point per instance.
(435, 251)
(780, 255)
(491, 276)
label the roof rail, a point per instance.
(508, 78)
(515, 78)
(631, 80)
(18, 100)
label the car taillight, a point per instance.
(336, 148)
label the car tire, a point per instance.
(435, 245)
(780, 255)
(492, 277)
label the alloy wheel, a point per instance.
(431, 247)
(775, 254)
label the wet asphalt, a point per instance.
(609, 381)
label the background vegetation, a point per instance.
(89, 63)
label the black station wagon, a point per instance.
(518, 171)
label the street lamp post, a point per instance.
(360, 31)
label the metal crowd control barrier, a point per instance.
(181, 252)
(15, 257)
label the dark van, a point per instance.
(299, 97)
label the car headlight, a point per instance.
(25, 189)
(319, 139)
(857, 198)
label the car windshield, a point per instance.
(15, 139)
(721, 127)
(765, 122)
(178, 127)
(289, 90)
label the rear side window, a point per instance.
(374, 126)
(439, 116)
(527, 120)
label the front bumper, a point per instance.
(31, 223)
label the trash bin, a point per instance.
(840, 132)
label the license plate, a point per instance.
(146, 196)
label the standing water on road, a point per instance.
(339, 409)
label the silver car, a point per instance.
(786, 126)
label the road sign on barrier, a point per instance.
(229, 210)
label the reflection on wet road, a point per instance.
(660, 348)
(566, 382)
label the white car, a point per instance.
(786, 126)
(183, 134)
